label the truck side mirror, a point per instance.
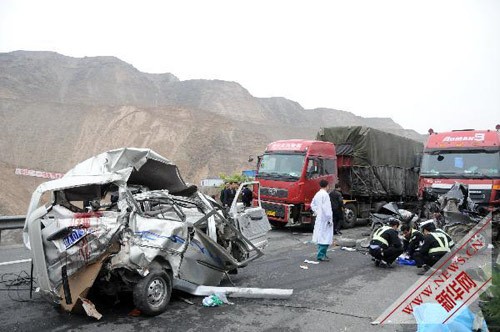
(259, 159)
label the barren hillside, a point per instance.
(56, 111)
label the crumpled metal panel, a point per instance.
(62, 183)
(152, 237)
(253, 223)
(75, 242)
(202, 264)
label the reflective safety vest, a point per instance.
(442, 240)
(378, 235)
(450, 240)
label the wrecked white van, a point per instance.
(125, 220)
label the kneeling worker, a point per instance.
(451, 243)
(435, 246)
(433, 228)
(386, 246)
(411, 240)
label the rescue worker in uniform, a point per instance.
(451, 243)
(385, 245)
(433, 228)
(412, 239)
(435, 246)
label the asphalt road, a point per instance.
(345, 294)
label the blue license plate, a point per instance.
(76, 235)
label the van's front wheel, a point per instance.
(152, 293)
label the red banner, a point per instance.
(38, 174)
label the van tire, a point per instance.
(152, 293)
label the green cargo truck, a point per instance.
(374, 167)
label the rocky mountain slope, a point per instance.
(56, 111)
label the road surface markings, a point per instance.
(16, 262)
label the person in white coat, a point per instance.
(323, 226)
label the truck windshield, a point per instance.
(462, 164)
(281, 166)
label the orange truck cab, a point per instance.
(471, 157)
(289, 173)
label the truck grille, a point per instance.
(274, 192)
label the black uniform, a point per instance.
(386, 245)
(222, 196)
(229, 196)
(435, 246)
(412, 242)
(337, 202)
(246, 197)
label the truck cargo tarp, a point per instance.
(379, 181)
(372, 147)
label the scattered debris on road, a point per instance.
(185, 300)
(246, 292)
(348, 249)
(90, 309)
(215, 300)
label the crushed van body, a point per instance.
(125, 220)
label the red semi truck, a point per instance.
(471, 157)
(371, 166)
(289, 173)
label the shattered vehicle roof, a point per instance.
(125, 165)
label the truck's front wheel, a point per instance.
(350, 215)
(277, 224)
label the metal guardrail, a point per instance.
(11, 222)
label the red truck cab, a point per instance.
(289, 173)
(471, 157)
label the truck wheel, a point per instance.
(350, 216)
(152, 293)
(277, 224)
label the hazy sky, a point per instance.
(423, 63)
